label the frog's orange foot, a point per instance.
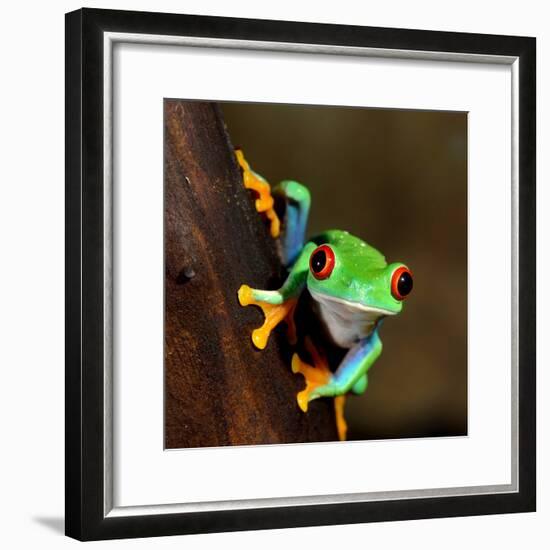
(316, 376)
(264, 202)
(273, 313)
(341, 424)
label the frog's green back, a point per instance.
(353, 248)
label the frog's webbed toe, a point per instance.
(275, 310)
(264, 202)
(318, 376)
(341, 424)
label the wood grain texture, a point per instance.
(220, 390)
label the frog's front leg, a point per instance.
(351, 375)
(278, 305)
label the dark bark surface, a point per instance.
(220, 390)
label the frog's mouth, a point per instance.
(349, 307)
(346, 321)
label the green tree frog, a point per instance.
(352, 288)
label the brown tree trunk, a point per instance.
(219, 389)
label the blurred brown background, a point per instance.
(397, 179)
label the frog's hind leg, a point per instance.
(297, 201)
(264, 201)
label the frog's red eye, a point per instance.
(401, 283)
(321, 262)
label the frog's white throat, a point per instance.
(346, 322)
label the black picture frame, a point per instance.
(85, 517)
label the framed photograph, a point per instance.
(300, 274)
